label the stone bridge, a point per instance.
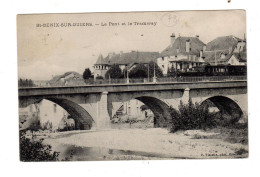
(95, 105)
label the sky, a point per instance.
(44, 52)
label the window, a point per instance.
(162, 66)
(162, 58)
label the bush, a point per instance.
(32, 150)
(191, 116)
(100, 77)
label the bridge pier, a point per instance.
(186, 96)
(103, 119)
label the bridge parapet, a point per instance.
(146, 80)
(129, 87)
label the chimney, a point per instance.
(188, 45)
(172, 38)
(204, 48)
(121, 52)
(230, 50)
(201, 53)
(197, 36)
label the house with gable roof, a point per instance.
(182, 54)
(226, 50)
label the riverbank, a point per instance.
(153, 143)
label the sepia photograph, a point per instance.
(161, 85)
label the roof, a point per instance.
(195, 59)
(196, 46)
(209, 56)
(223, 45)
(129, 58)
(100, 60)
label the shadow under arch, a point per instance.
(161, 111)
(226, 106)
(83, 120)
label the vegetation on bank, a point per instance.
(194, 117)
(34, 150)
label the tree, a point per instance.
(114, 72)
(25, 83)
(87, 74)
(158, 71)
(141, 70)
(172, 72)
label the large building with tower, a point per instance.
(128, 59)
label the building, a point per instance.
(124, 60)
(132, 109)
(48, 111)
(100, 67)
(226, 50)
(182, 54)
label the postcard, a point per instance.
(132, 86)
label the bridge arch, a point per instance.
(160, 109)
(227, 106)
(82, 118)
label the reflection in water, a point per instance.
(75, 153)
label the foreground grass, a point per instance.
(228, 134)
(233, 135)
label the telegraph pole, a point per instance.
(127, 79)
(154, 77)
(148, 71)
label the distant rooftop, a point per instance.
(179, 47)
(128, 58)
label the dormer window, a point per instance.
(222, 55)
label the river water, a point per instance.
(76, 153)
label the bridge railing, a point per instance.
(146, 80)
